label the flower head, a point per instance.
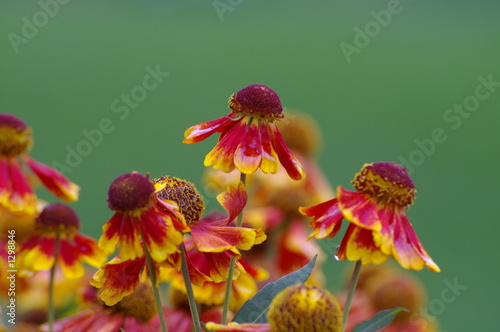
(135, 312)
(378, 224)
(141, 216)
(249, 137)
(59, 221)
(305, 308)
(16, 192)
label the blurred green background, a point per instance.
(68, 72)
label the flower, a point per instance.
(249, 137)
(59, 221)
(304, 308)
(16, 192)
(141, 216)
(378, 224)
(119, 278)
(213, 240)
(296, 308)
(134, 312)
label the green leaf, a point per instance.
(255, 309)
(380, 320)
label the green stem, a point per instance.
(229, 283)
(52, 309)
(352, 287)
(152, 276)
(189, 291)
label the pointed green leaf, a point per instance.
(380, 320)
(255, 309)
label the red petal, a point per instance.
(233, 201)
(203, 130)
(222, 155)
(359, 209)
(358, 244)
(291, 165)
(327, 218)
(408, 250)
(248, 154)
(15, 192)
(54, 181)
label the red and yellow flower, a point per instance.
(213, 239)
(140, 219)
(17, 197)
(249, 138)
(59, 223)
(135, 312)
(378, 225)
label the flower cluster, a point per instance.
(252, 265)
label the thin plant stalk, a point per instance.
(152, 276)
(52, 309)
(189, 292)
(229, 283)
(351, 288)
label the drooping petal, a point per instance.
(118, 278)
(357, 244)
(270, 163)
(222, 155)
(217, 239)
(15, 192)
(88, 250)
(359, 209)
(233, 201)
(408, 251)
(327, 219)
(177, 217)
(54, 181)
(199, 132)
(218, 265)
(160, 235)
(36, 254)
(121, 230)
(248, 154)
(92, 319)
(69, 260)
(289, 162)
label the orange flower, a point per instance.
(378, 224)
(139, 216)
(249, 137)
(38, 252)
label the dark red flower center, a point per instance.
(184, 193)
(388, 182)
(130, 192)
(15, 136)
(58, 218)
(257, 100)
